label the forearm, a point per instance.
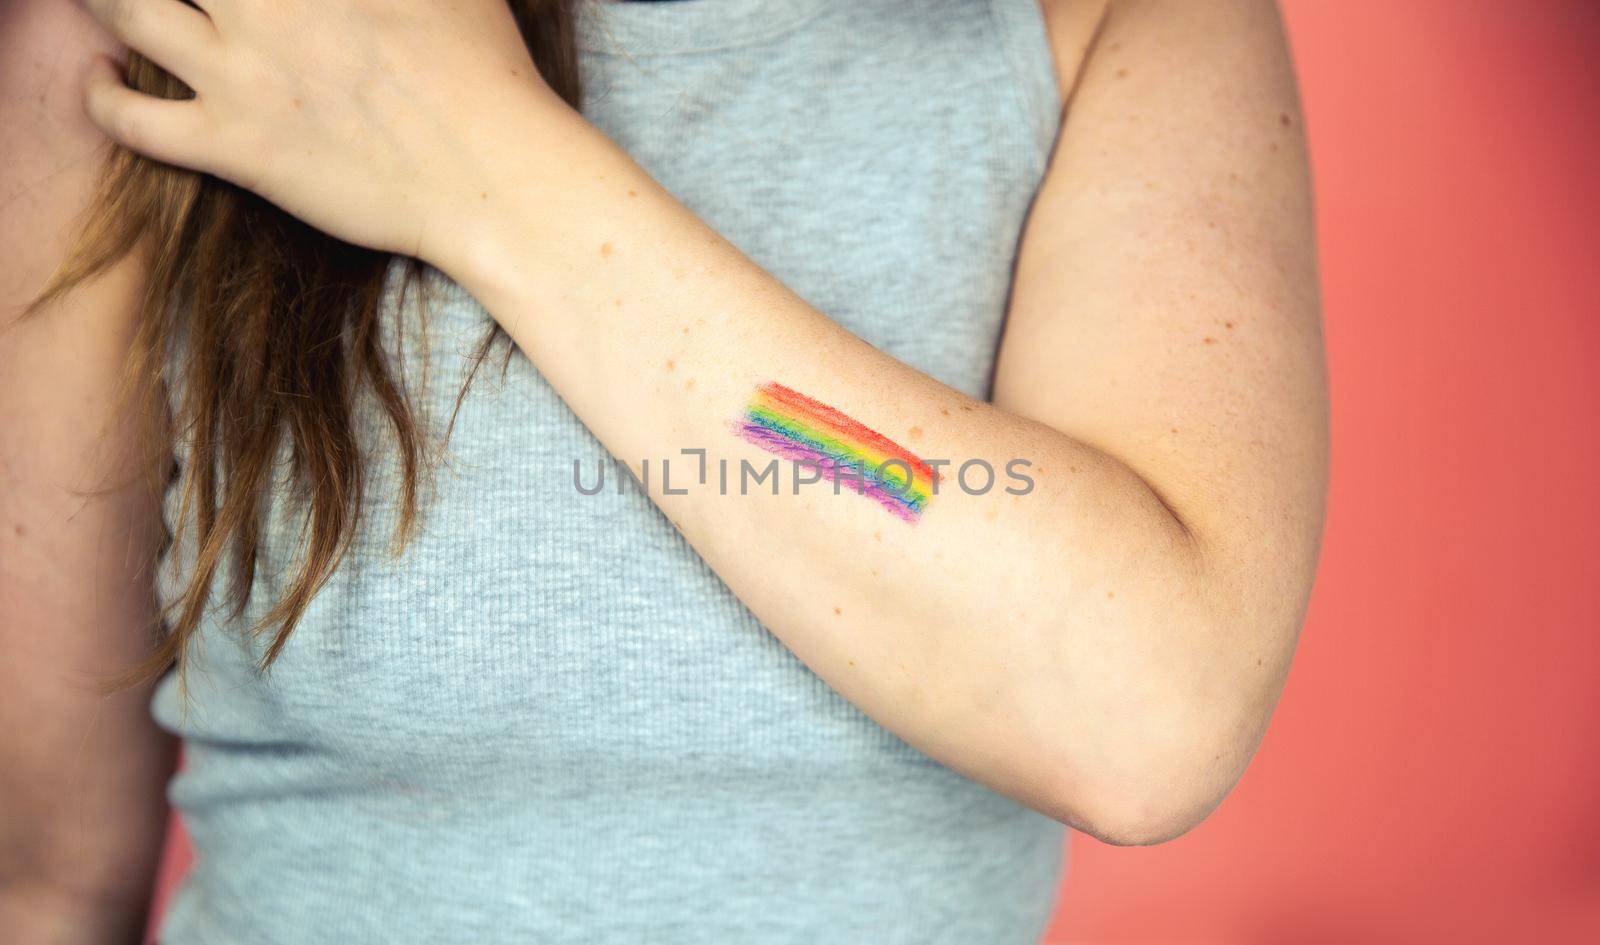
(1032, 641)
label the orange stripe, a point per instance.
(840, 422)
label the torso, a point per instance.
(548, 720)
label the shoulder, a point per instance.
(44, 46)
(48, 148)
(1178, 32)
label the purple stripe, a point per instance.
(785, 448)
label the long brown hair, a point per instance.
(280, 328)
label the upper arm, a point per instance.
(83, 772)
(1165, 309)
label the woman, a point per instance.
(897, 593)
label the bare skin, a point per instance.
(82, 775)
(1107, 649)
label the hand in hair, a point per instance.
(366, 118)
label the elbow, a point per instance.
(1140, 746)
(1142, 818)
(1147, 791)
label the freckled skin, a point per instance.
(672, 365)
(605, 249)
(914, 433)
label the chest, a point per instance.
(882, 172)
(532, 628)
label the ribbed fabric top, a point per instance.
(548, 720)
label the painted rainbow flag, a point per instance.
(795, 427)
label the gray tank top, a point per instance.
(548, 720)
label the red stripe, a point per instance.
(825, 414)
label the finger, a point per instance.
(169, 130)
(176, 36)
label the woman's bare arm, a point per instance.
(1108, 648)
(82, 812)
(1166, 312)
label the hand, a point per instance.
(371, 120)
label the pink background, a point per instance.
(1433, 772)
